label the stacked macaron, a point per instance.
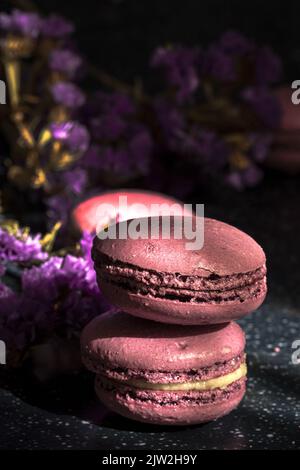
(176, 356)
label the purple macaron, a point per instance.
(165, 374)
(161, 280)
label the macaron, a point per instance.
(106, 208)
(285, 151)
(165, 374)
(160, 279)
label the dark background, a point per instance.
(119, 35)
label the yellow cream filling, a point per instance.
(200, 385)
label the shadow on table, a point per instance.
(70, 395)
(74, 395)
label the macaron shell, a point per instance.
(181, 313)
(92, 213)
(226, 250)
(178, 414)
(290, 119)
(121, 340)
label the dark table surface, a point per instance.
(66, 415)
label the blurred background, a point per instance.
(120, 35)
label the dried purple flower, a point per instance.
(234, 43)
(74, 180)
(180, 67)
(123, 145)
(264, 104)
(204, 146)
(260, 145)
(26, 24)
(218, 65)
(268, 67)
(65, 61)
(58, 208)
(86, 244)
(5, 22)
(75, 136)
(67, 94)
(248, 177)
(56, 26)
(23, 248)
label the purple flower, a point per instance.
(22, 249)
(268, 66)
(114, 103)
(221, 59)
(180, 68)
(27, 24)
(56, 26)
(74, 135)
(67, 94)
(170, 119)
(122, 145)
(58, 297)
(65, 61)
(119, 161)
(59, 208)
(201, 146)
(219, 65)
(234, 43)
(110, 118)
(125, 162)
(5, 22)
(264, 104)
(91, 158)
(108, 127)
(249, 177)
(86, 244)
(74, 180)
(260, 146)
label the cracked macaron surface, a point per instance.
(165, 374)
(162, 280)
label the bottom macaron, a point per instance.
(165, 374)
(165, 407)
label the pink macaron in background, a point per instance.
(285, 151)
(107, 208)
(160, 279)
(165, 374)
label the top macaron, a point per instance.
(162, 280)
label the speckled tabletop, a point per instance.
(66, 415)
